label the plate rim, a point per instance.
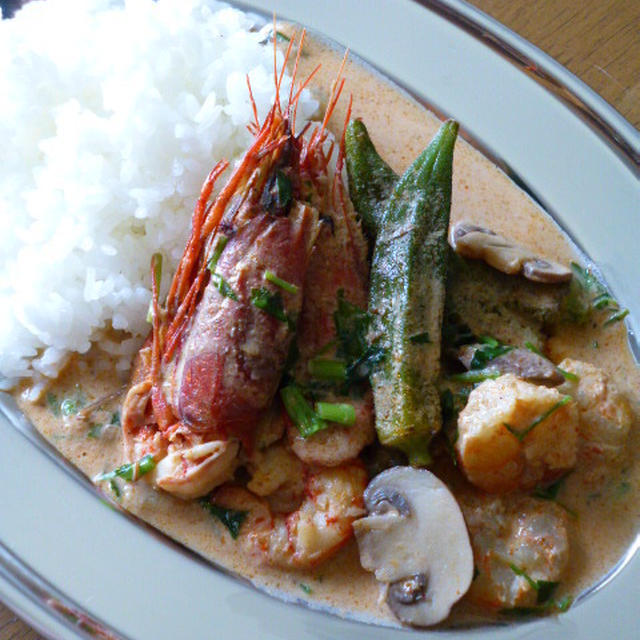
(617, 133)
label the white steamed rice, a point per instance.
(111, 116)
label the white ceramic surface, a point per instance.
(121, 573)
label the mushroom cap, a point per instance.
(472, 241)
(415, 540)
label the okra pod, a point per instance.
(371, 179)
(406, 299)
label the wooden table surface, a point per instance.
(597, 40)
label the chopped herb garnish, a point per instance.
(54, 405)
(622, 489)
(223, 286)
(113, 485)
(341, 413)
(232, 519)
(327, 369)
(564, 604)
(521, 434)
(95, 431)
(587, 294)
(306, 588)
(420, 338)
(532, 347)
(550, 492)
(115, 418)
(361, 368)
(306, 420)
(491, 349)
(131, 471)
(279, 282)
(616, 317)
(270, 303)
(282, 37)
(217, 252)
(567, 375)
(475, 376)
(544, 588)
(352, 324)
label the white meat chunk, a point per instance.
(516, 435)
(512, 537)
(605, 415)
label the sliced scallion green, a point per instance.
(520, 435)
(339, 412)
(217, 252)
(306, 420)
(131, 471)
(327, 369)
(269, 276)
(223, 286)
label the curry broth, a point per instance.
(607, 515)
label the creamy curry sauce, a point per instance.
(607, 515)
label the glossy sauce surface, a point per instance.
(607, 515)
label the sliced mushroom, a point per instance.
(523, 363)
(415, 541)
(193, 472)
(472, 241)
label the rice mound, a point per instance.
(111, 116)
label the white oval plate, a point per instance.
(61, 547)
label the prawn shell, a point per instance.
(227, 371)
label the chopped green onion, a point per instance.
(339, 412)
(115, 418)
(95, 430)
(532, 347)
(306, 588)
(326, 369)
(269, 302)
(520, 435)
(54, 405)
(223, 286)
(217, 252)
(306, 420)
(491, 350)
(544, 588)
(281, 36)
(616, 317)
(567, 375)
(420, 338)
(232, 519)
(279, 282)
(131, 471)
(114, 488)
(475, 376)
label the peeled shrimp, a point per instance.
(524, 534)
(316, 530)
(605, 415)
(516, 435)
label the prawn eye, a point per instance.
(409, 590)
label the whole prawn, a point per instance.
(217, 349)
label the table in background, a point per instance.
(599, 41)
